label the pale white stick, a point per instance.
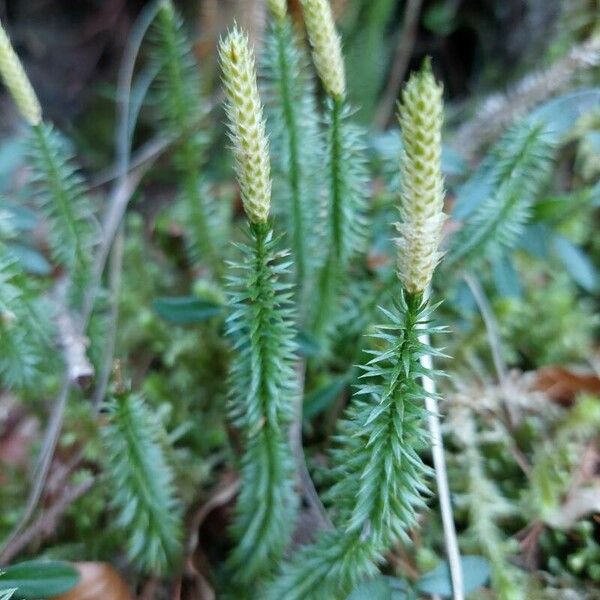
(441, 477)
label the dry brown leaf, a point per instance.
(582, 502)
(99, 581)
(562, 385)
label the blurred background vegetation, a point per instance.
(522, 406)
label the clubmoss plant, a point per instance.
(326, 47)
(295, 142)
(346, 226)
(381, 480)
(516, 169)
(20, 348)
(142, 481)
(183, 110)
(59, 188)
(487, 507)
(260, 324)
(60, 192)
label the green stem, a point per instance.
(201, 231)
(54, 182)
(380, 470)
(402, 375)
(335, 181)
(295, 171)
(332, 269)
(188, 153)
(266, 506)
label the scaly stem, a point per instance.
(62, 189)
(379, 475)
(263, 389)
(335, 181)
(189, 155)
(333, 267)
(295, 168)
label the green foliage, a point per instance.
(164, 452)
(263, 388)
(295, 148)
(182, 108)
(21, 345)
(346, 232)
(555, 461)
(143, 488)
(517, 167)
(565, 322)
(476, 573)
(60, 191)
(37, 579)
(487, 507)
(378, 472)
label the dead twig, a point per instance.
(500, 110)
(318, 512)
(73, 343)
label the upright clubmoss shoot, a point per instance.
(260, 325)
(380, 477)
(345, 161)
(422, 196)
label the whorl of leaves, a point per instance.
(520, 164)
(296, 147)
(263, 389)
(142, 484)
(380, 477)
(72, 230)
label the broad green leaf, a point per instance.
(506, 277)
(476, 573)
(39, 578)
(185, 310)
(30, 259)
(381, 588)
(534, 240)
(579, 266)
(564, 111)
(21, 218)
(12, 154)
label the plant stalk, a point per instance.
(441, 478)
